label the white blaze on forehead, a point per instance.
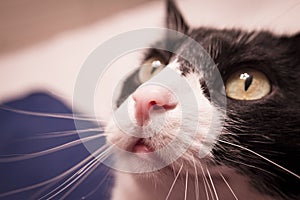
(193, 79)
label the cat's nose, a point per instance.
(152, 97)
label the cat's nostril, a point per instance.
(156, 107)
(151, 97)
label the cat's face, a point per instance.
(260, 122)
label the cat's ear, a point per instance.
(174, 19)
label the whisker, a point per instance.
(232, 192)
(173, 168)
(44, 189)
(212, 184)
(78, 174)
(293, 6)
(196, 180)
(52, 115)
(206, 184)
(96, 188)
(205, 188)
(56, 178)
(186, 184)
(80, 180)
(171, 188)
(248, 165)
(264, 158)
(65, 133)
(14, 158)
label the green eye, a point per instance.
(247, 85)
(150, 68)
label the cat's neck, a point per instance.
(129, 186)
(133, 187)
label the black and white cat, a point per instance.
(256, 153)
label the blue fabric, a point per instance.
(17, 133)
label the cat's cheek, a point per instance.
(209, 121)
(115, 137)
(121, 125)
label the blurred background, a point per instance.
(27, 22)
(44, 43)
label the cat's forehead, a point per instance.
(233, 46)
(231, 37)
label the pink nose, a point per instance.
(150, 96)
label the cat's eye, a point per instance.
(247, 85)
(150, 68)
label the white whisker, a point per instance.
(232, 192)
(186, 185)
(52, 115)
(289, 9)
(79, 173)
(56, 178)
(65, 133)
(264, 158)
(248, 165)
(13, 158)
(205, 188)
(169, 193)
(212, 184)
(174, 172)
(80, 179)
(44, 189)
(96, 188)
(196, 180)
(206, 184)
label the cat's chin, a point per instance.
(177, 169)
(144, 165)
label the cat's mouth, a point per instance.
(141, 147)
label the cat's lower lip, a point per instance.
(141, 147)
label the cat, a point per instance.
(218, 119)
(254, 155)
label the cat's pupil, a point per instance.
(248, 82)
